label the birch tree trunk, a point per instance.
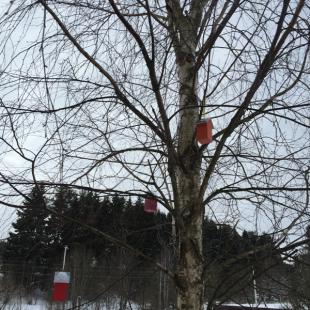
(189, 209)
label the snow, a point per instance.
(43, 305)
(40, 305)
(33, 307)
(264, 306)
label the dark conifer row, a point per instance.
(37, 242)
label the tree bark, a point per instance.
(189, 278)
(189, 211)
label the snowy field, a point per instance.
(42, 305)
(264, 306)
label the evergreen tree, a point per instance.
(26, 246)
(300, 279)
(64, 203)
(145, 231)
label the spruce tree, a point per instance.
(299, 291)
(25, 251)
(58, 228)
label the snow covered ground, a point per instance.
(43, 305)
(24, 306)
(264, 306)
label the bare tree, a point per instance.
(106, 95)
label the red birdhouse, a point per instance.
(204, 131)
(150, 204)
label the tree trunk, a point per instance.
(189, 211)
(189, 274)
(189, 271)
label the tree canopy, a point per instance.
(107, 96)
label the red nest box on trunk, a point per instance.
(150, 204)
(204, 131)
